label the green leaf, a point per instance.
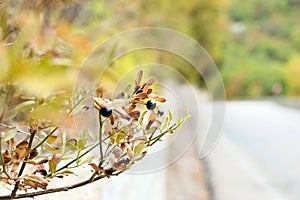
(120, 136)
(81, 144)
(72, 144)
(67, 172)
(139, 148)
(142, 117)
(26, 105)
(151, 130)
(170, 115)
(51, 139)
(165, 123)
(52, 166)
(11, 133)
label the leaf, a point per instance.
(130, 154)
(112, 139)
(21, 152)
(33, 154)
(26, 105)
(151, 130)
(7, 157)
(72, 144)
(135, 114)
(67, 172)
(99, 102)
(95, 167)
(171, 115)
(141, 96)
(51, 148)
(139, 77)
(52, 166)
(33, 162)
(35, 182)
(164, 123)
(11, 133)
(22, 144)
(157, 98)
(142, 117)
(51, 139)
(139, 148)
(81, 144)
(120, 136)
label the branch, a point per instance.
(54, 190)
(14, 192)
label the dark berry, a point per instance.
(151, 105)
(160, 112)
(105, 111)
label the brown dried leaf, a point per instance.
(120, 167)
(4, 180)
(33, 154)
(99, 91)
(130, 153)
(96, 168)
(112, 119)
(6, 157)
(151, 120)
(35, 182)
(15, 166)
(136, 101)
(99, 102)
(157, 98)
(35, 162)
(134, 114)
(141, 96)
(41, 169)
(150, 81)
(55, 158)
(139, 77)
(131, 108)
(139, 138)
(21, 152)
(22, 144)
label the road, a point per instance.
(258, 154)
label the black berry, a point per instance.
(160, 112)
(105, 111)
(151, 105)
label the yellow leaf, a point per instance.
(52, 166)
(139, 148)
(120, 136)
(51, 139)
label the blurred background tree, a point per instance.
(252, 42)
(260, 48)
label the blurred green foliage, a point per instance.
(262, 49)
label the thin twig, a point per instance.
(44, 140)
(71, 162)
(14, 192)
(3, 163)
(100, 137)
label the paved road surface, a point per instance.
(258, 154)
